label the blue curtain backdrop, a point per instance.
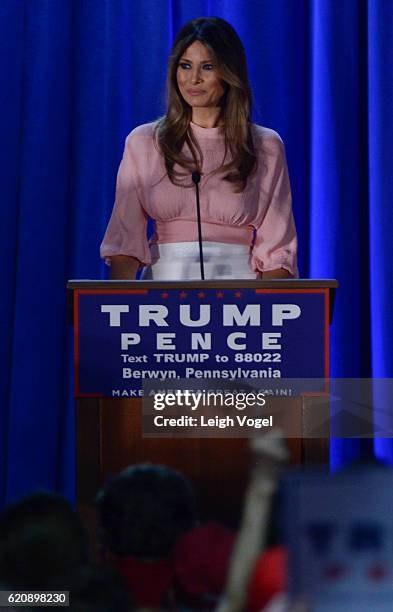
(76, 77)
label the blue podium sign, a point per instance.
(126, 336)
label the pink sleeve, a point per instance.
(126, 231)
(275, 243)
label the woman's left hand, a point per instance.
(279, 273)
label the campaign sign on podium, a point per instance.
(130, 333)
(221, 331)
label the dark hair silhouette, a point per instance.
(42, 543)
(144, 509)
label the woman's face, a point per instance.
(198, 79)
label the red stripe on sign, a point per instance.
(289, 291)
(112, 291)
(76, 342)
(327, 345)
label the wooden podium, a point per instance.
(109, 429)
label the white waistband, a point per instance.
(180, 261)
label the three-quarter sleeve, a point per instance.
(275, 244)
(126, 231)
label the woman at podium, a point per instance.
(247, 224)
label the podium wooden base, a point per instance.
(109, 438)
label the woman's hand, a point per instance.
(279, 273)
(124, 267)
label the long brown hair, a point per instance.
(173, 131)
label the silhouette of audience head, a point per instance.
(42, 543)
(144, 509)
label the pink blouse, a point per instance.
(261, 216)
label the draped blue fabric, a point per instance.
(380, 130)
(76, 77)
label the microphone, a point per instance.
(196, 177)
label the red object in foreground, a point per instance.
(197, 571)
(268, 578)
(202, 559)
